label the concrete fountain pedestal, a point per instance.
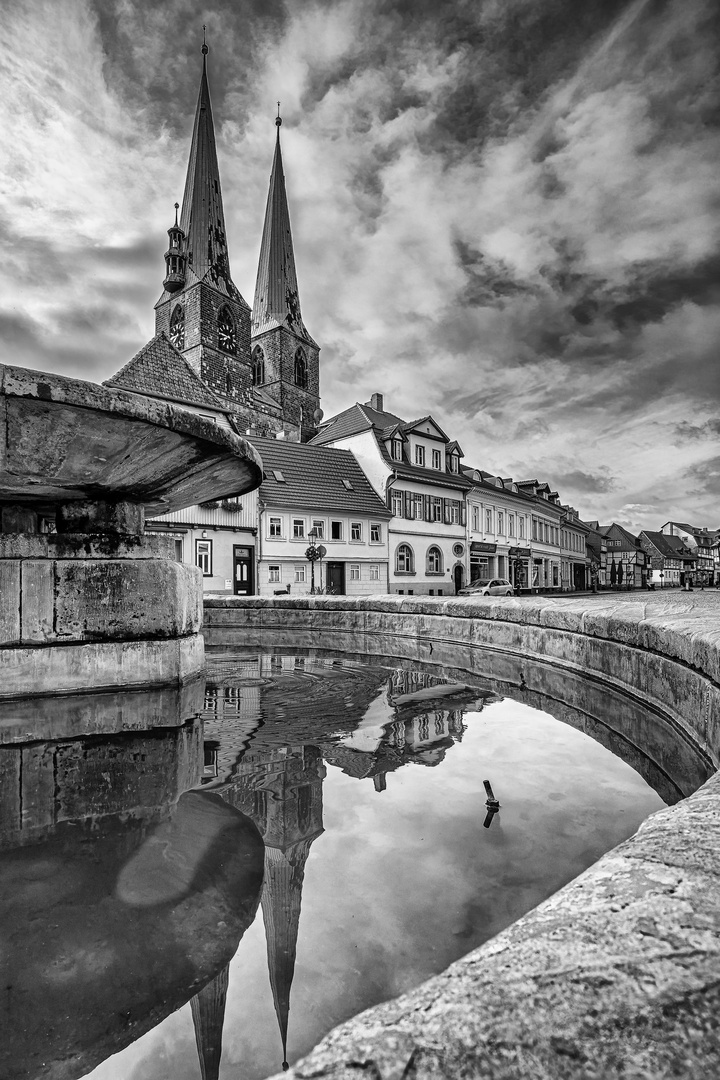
(97, 604)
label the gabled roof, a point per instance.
(413, 425)
(313, 477)
(277, 300)
(486, 483)
(620, 533)
(354, 420)
(159, 370)
(668, 545)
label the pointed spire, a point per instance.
(202, 219)
(277, 301)
(208, 1013)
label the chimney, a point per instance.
(376, 402)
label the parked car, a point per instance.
(487, 587)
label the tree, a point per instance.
(613, 572)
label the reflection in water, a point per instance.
(122, 898)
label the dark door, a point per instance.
(335, 578)
(458, 574)
(243, 563)
(578, 576)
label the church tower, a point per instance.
(285, 359)
(201, 310)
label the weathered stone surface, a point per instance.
(102, 516)
(617, 974)
(64, 440)
(9, 602)
(119, 665)
(82, 546)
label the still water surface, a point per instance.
(379, 864)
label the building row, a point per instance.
(390, 504)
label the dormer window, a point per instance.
(420, 455)
(436, 459)
(454, 463)
(227, 337)
(397, 449)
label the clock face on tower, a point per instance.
(227, 338)
(177, 327)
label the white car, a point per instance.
(488, 587)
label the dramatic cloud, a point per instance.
(504, 213)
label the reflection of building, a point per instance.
(208, 1013)
(281, 791)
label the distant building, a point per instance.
(415, 469)
(626, 561)
(669, 558)
(319, 495)
(704, 544)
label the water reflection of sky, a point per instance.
(404, 878)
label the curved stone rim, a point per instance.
(227, 446)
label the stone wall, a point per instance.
(616, 974)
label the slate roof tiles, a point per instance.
(159, 370)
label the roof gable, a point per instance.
(426, 426)
(159, 370)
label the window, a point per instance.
(336, 530)
(488, 521)
(476, 519)
(319, 528)
(436, 459)
(278, 476)
(298, 529)
(177, 327)
(397, 449)
(454, 463)
(374, 572)
(355, 530)
(434, 561)
(521, 528)
(301, 372)
(275, 526)
(435, 508)
(419, 455)
(418, 505)
(396, 503)
(511, 524)
(227, 338)
(203, 556)
(300, 572)
(375, 534)
(258, 366)
(348, 486)
(404, 561)
(274, 573)
(354, 571)
(501, 523)
(454, 513)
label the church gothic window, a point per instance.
(227, 337)
(258, 366)
(177, 327)
(301, 373)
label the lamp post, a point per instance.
(312, 554)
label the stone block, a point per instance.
(9, 602)
(38, 602)
(18, 519)
(120, 518)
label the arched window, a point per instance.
(258, 366)
(404, 559)
(301, 374)
(227, 337)
(434, 560)
(177, 327)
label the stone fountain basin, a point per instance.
(65, 440)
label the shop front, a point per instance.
(483, 560)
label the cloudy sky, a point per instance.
(505, 212)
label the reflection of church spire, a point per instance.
(281, 899)
(208, 1012)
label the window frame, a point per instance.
(434, 552)
(339, 525)
(354, 571)
(271, 526)
(298, 523)
(274, 573)
(300, 573)
(356, 527)
(374, 571)
(200, 562)
(436, 458)
(420, 455)
(408, 555)
(375, 526)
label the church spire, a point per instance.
(208, 1012)
(277, 302)
(202, 220)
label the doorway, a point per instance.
(458, 575)
(335, 578)
(243, 570)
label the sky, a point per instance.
(505, 213)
